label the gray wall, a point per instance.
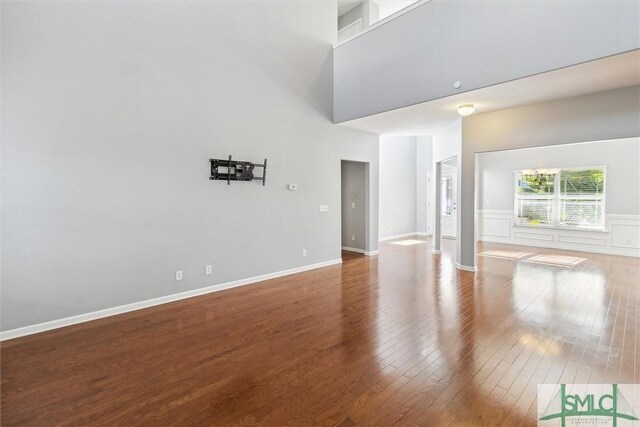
(354, 212)
(111, 111)
(594, 117)
(397, 185)
(418, 56)
(621, 158)
(424, 159)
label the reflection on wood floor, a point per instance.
(402, 338)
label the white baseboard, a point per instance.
(86, 317)
(436, 251)
(466, 268)
(422, 233)
(360, 251)
(398, 236)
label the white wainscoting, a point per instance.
(621, 235)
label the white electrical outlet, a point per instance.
(324, 208)
(179, 275)
(304, 252)
(353, 237)
(353, 205)
(208, 270)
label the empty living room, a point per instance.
(320, 212)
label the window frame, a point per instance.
(557, 200)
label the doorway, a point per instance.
(354, 210)
(445, 211)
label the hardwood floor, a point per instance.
(403, 338)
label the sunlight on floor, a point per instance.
(556, 260)
(542, 345)
(409, 242)
(505, 254)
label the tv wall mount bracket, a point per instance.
(236, 170)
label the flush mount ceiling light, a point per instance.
(466, 109)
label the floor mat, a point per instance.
(556, 260)
(505, 254)
(409, 242)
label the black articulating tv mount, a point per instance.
(235, 170)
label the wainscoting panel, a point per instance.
(545, 237)
(598, 241)
(620, 237)
(498, 226)
(624, 232)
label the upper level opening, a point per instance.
(356, 15)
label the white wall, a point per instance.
(620, 157)
(447, 142)
(111, 111)
(495, 172)
(397, 185)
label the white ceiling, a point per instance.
(345, 6)
(385, 7)
(389, 7)
(429, 117)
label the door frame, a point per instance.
(368, 248)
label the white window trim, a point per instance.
(555, 219)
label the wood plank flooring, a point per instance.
(399, 339)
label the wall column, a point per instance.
(437, 181)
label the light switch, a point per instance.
(324, 208)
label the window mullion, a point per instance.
(556, 199)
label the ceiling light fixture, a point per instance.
(466, 109)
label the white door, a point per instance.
(448, 207)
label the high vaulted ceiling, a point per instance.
(345, 6)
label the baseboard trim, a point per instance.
(398, 236)
(360, 251)
(113, 311)
(436, 251)
(356, 250)
(466, 268)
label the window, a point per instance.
(535, 197)
(447, 196)
(582, 198)
(561, 197)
